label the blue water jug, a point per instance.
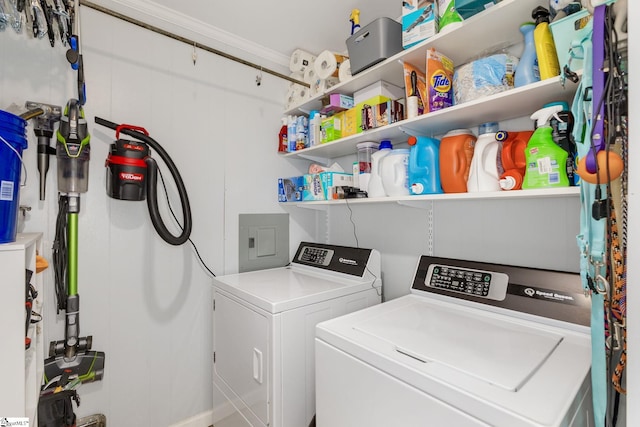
(424, 165)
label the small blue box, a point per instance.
(290, 189)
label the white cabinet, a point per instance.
(21, 370)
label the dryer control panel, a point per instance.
(316, 256)
(479, 283)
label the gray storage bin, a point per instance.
(374, 43)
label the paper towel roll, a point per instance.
(301, 60)
(344, 72)
(327, 64)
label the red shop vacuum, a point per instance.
(131, 174)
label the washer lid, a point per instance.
(285, 288)
(500, 353)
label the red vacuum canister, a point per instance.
(127, 169)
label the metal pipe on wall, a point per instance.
(189, 42)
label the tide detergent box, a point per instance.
(419, 21)
(439, 78)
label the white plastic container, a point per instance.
(394, 173)
(483, 174)
(375, 188)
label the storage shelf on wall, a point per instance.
(425, 200)
(22, 370)
(513, 103)
(484, 33)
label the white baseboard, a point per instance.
(204, 419)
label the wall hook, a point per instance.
(259, 78)
(194, 55)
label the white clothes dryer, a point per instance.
(474, 344)
(264, 328)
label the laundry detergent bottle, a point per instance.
(394, 170)
(424, 165)
(456, 153)
(375, 187)
(514, 163)
(546, 161)
(483, 173)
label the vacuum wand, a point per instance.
(43, 128)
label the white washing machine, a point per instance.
(474, 344)
(264, 328)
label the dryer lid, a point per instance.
(504, 354)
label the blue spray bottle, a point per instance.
(527, 70)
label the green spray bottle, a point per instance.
(546, 161)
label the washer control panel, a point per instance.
(315, 256)
(477, 283)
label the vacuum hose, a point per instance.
(152, 194)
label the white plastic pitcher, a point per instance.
(394, 173)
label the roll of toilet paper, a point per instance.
(322, 85)
(327, 64)
(295, 96)
(301, 60)
(309, 75)
(344, 72)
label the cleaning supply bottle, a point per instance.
(314, 128)
(283, 138)
(562, 127)
(545, 47)
(527, 69)
(483, 173)
(456, 152)
(546, 161)
(424, 165)
(291, 132)
(375, 187)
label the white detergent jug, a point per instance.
(375, 188)
(394, 169)
(483, 173)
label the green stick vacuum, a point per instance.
(71, 359)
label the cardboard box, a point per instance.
(388, 112)
(379, 88)
(312, 187)
(290, 189)
(332, 180)
(331, 127)
(351, 121)
(419, 21)
(337, 103)
(367, 116)
(321, 186)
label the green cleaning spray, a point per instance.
(546, 161)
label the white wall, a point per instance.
(148, 304)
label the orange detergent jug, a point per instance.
(513, 158)
(456, 152)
